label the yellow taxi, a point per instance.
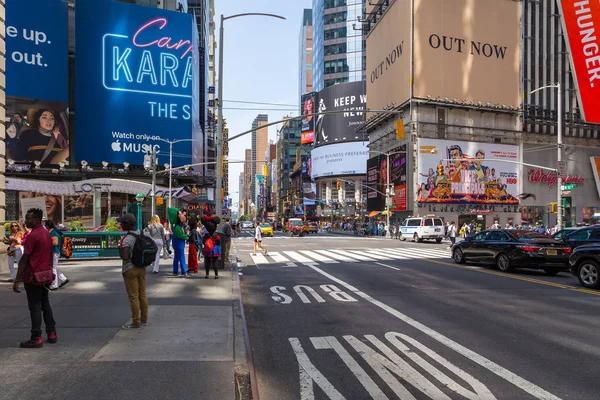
(266, 229)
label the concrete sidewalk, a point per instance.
(189, 350)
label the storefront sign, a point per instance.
(551, 177)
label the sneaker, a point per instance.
(63, 284)
(175, 274)
(52, 338)
(53, 289)
(144, 323)
(131, 326)
(33, 344)
(217, 277)
(206, 277)
(253, 254)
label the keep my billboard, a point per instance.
(339, 159)
(348, 98)
(307, 130)
(467, 172)
(134, 82)
(581, 20)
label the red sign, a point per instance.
(582, 23)
(551, 178)
(307, 137)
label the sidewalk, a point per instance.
(189, 349)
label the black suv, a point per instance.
(579, 237)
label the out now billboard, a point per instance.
(581, 21)
(135, 82)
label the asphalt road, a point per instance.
(395, 319)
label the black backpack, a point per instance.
(144, 250)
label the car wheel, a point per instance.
(438, 240)
(458, 256)
(588, 274)
(503, 262)
(551, 271)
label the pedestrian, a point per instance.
(178, 219)
(60, 280)
(168, 234)
(258, 239)
(133, 276)
(157, 232)
(496, 225)
(452, 233)
(211, 241)
(195, 243)
(15, 248)
(37, 258)
(226, 240)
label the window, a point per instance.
(583, 234)
(480, 236)
(496, 237)
(335, 18)
(438, 222)
(414, 222)
(595, 234)
(428, 222)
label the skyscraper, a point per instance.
(248, 179)
(305, 50)
(339, 53)
(260, 141)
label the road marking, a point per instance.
(388, 266)
(336, 293)
(298, 257)
(336, 256)
(290, 265)
(311, 291)
(278, 257)
(280, 297)
(259, 258)
(497, 369)
(394, 254)
(377, 255)
(318, 257)
(348, 254)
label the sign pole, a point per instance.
(559, 206)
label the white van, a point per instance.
(420, 228)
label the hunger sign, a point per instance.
(163, 42)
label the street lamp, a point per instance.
(218, 199)
(150, 164)
(559, 210)
(171, 143)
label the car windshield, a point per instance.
(296, 223)
(265, 225)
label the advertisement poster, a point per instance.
(467, 172)
(307, 135)
(398, 178)
(339, 159)
(79, 208)
(344, 126)
(375, 198)
(28, 201)
(37, 81)
(579, 20)
(134, 82)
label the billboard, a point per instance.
(134, 82)
(339, 159)
(342, 127)
(398, 178)
(467, 172)
(307, 130)
(375, 197)
(579, 20)
(377, 180)
(465, 58)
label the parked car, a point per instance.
(421, 228)
(508, 251)
(581, 236)
(266, 229)
(585, 265)
(247, 225)
(295, 227)
(313, 227)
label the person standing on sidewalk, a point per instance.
(15, 248)
(134, 277)
(168, 235)
(211, 241)
(37, 255)
(195, 243)
(258, 239)
(157, 233)
(178, 219)
(226, 240)
(452, 233)
(60, 280)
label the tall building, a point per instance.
(248, 180)
(305, 49)
(339, 51)
(260, 141)
(288, 142)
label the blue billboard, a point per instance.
(37, 50)
(134, 83)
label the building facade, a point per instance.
(305, 50)
(260, 141)
(288, 142)
(248, 181)
(339, 52)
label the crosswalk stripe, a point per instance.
(278, 257)
(259, 258)
(298, 257)
(336, 256)
(346, 253)
(318, 257)
(376, 255)
(394, 254)
(419, 253)
(433, 253)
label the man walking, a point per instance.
(134, 277)
(452, 233)
(36, 256)
(226, 240)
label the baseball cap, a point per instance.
(128, 219)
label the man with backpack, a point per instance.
(35, 271)
(137, 251)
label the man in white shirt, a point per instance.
(452, 233)
(258, 239)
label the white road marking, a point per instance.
(318, 257)
(280, 297)
(298, 257)
(497, 369)
(393, 254)
(419, 254)
(352, 254)
(290, 265)
(304, 298)
(388, 266)
(278, 257)
(376, 255)
(309, 374)
(336, 256)
(259, 258)
(336, 293)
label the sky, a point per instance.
(261, 64)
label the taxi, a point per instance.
(266, 229)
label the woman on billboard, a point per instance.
(43, 141)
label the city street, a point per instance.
(337, 316)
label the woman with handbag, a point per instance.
(15, 247)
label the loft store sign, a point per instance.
(551, 178)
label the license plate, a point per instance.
(437, 229)
(551, 252)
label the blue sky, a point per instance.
(261, 58)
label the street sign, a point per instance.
(569, 186)
(562, 169)
(566, 192)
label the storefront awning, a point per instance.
(374, 213)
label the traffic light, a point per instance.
(338, 185)
(400, 129)
(552, 208)
(567, 202)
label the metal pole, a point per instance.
(153, 190)
(559, 206)
(388, 198)
(170, 176)
(218, 200)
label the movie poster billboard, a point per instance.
(467, 172)
(134, 82)
(37, 81)
(398, 178)
(375, 199)
(307, 130)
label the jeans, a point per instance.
(14, 259)
(159, 245)
(135, 284)
(179, 259)
(168, 246)
(39, 304)
(59, 277)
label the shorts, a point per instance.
(256, 240)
